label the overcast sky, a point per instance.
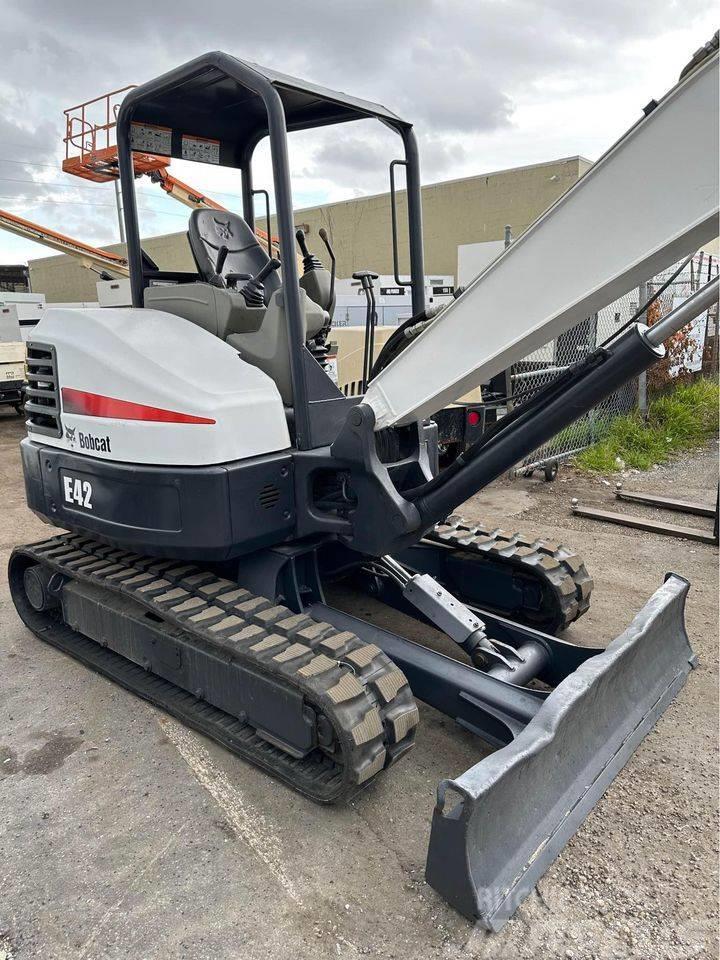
(489, 84)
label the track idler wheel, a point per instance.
(42, 588)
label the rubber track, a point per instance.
(562, 573)
(357, 687)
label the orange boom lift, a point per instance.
(91, 153)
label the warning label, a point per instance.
(200, 149)
(146, 138)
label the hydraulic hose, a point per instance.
(402, 336)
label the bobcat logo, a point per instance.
(70, 434)
(222, 229)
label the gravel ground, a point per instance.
(122, 834)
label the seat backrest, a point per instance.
(209, 230)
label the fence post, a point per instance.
(642, 379)
(712, 327)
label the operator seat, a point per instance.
(209, 230)
(257, 330)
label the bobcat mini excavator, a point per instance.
(214, 482)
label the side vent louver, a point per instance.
(42, 406)
(269, 496)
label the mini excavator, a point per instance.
(213, 483)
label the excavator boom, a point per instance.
(650, 200)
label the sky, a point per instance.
(489, 84)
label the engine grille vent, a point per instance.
(42, 406)
(269, 496)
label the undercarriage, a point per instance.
(310, 704)
(325, 701)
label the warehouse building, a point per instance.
(456, 213)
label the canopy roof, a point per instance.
(218, 97)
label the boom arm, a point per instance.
(182, 191)
(650, 200)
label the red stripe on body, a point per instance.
(95, 405)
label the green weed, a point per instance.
(677, 420)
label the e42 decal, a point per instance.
(78, 492)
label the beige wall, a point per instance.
(455, 212)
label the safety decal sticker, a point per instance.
(147, 138)
(200, 149)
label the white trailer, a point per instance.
(27, 309)
(12, 358)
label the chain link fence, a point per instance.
(700, 347)
(543, 365)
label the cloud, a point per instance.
(24, 152)
(488, 84)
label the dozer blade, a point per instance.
(498, 826)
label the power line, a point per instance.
(79, 203)
(29, 163)
(87, 203)
(52, 166)
(43, 183)
(53, 184)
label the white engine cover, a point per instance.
(154, 388)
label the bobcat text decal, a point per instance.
(87, 441)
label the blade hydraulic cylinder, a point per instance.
(453, 617)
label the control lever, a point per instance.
(310, 261)
(322, 232)
(221, 258)
(254, 290)
(366, 278)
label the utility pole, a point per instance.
(118, 204)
